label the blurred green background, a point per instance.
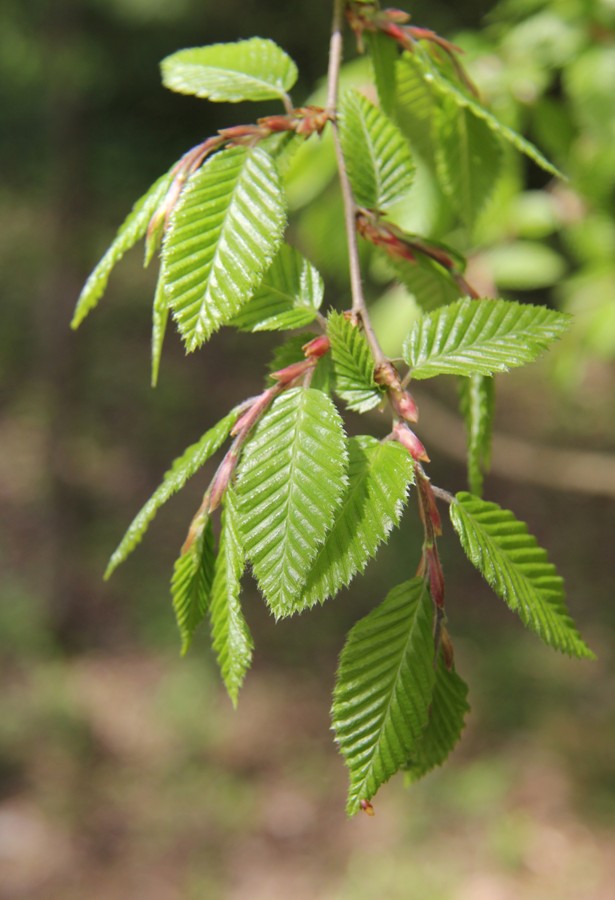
(124, 771)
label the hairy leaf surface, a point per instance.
(289, 487)
(132, 230)
(256, 69)
(353, 363)
(447, 713)
(232, 641)
(379, 475)
(379, 164)
(477, 403)
(191, 583)
(468, 158)
(183, 468)
(223, 235)
(289, 295)
(384, 689)
(480, 337)
(517, 569)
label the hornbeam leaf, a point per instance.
(430, 284)
(384, 689)
(447, 712)
(132, 230)
(477, 402)
(223, 235)
(481, 337)
(289, 295)
(468, 157)
(379, 164)
(191, 583)
(517, 569)
(183, 468)
(290, 484)
(446, 88)
(416, 107)
(353, 364)
(256, 69)
(160, 316)
(232, 641)
(379, 475)
(383, 54)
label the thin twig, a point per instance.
(359, 307)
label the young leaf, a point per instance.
(429, 283)
(383, 54)
(160, 316)
(480, 337)
(290, 484)
(256, 69)
(379, 475)
(477, 401)
(132, 230)
(181, 470)
(416, 107)
(223, 235)
(232, 641)
(447, 713)
(517, 569)
(468, 157)
(379, 164)
(446, 88)
(289, 295)
(384, 689)
(191, 583)
(353, 363)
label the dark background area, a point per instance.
(124, 771)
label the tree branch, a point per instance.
(359, 307)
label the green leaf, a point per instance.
(481, 337)
(415, 107)
(353, 364)
(232, 641)
(430, 285)
(379, 475)
(183, 468)
(379, 164)
(383, 54)
(384, 689)
(160, 316)
(517, 569)
(290, 484)
(468, 159)
(477, 401)
(132, 230)
(256, 69)
(191, 583)
(447, 713)
(446, 88)
(222, 237)
(289, 295)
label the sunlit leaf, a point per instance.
(517, 569)
(379, 475)
(290, 484)
(255, 69)
(384, 689)
(223, 235)
(184, 467)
